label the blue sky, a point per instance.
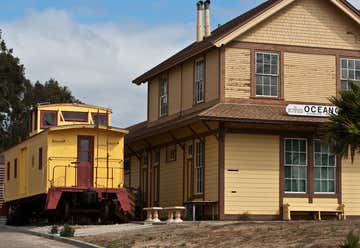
(153, 12)
(96, 47)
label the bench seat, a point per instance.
(339, 210)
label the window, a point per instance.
(267, 74)
(146, 160)
(163, 96)
(171, 153)
(127, 166)
(156, 157)
(99, 119)
(295, 165)
(324, 168)
(190, 151)
(8, 171)
(15, 168)
(75, 116)
(48, 119)
(199, 81)
(40, 158)
(199, 167)
(350, 72)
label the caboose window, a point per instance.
(48, 119)
(75, 116)
(40, 158)
(99, 119)
(8, 171)
(15, 168)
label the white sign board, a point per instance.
(311, 110)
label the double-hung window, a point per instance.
(324, 168)
(199, 81)
(163, 96)
(267, 74)
(199, 167)
(295, 165)
(350, 72)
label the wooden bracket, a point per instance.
(149, 145)
(182, 145)
(196, 134)
(134, 152)
(214, 132)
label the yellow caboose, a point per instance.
(71, 166)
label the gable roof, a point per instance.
(230, 30)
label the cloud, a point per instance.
(356, 3)
(98, 61)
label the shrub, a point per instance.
(352, 241)
(67, 231)
(244, 217)
(54, 230)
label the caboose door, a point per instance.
(85, 172)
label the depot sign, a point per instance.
(311, 110)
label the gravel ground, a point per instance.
(12, 239)
(90, 230)
(311, 234)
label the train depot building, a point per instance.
(70, 166)
(234, 119)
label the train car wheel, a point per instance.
(105, 212)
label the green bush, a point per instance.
(352, 241)
(54, 230)
(67, 231)
(244, 217)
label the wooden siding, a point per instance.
(153, 106)
(237, 73)
(30, 180)
(175, 90)
(251, 174)
(211, 169)
(307, 23)
(212, 75)
(134, 172)
(351, 186)
(171, 186)
(187, 85)
(303, 72)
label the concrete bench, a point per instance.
(174, 214)
(152, 214)
(339, 210)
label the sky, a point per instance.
(97, 47)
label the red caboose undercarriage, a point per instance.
(75, 205)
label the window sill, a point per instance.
(295, 195)
(273, 98)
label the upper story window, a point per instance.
(350, 72)
(75, 116)
(267, 74)
(48, 119)
(163, 96)
(199, 81)
(99, 119)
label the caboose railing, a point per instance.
(64, 172)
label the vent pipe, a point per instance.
(199, 33)
(207, 18)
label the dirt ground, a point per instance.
(232, 234)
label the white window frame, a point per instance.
(199, 87)
(270, 75)
(346, 78)
(199, 168)
(163, 96)
(333, 167)
(306, 166)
